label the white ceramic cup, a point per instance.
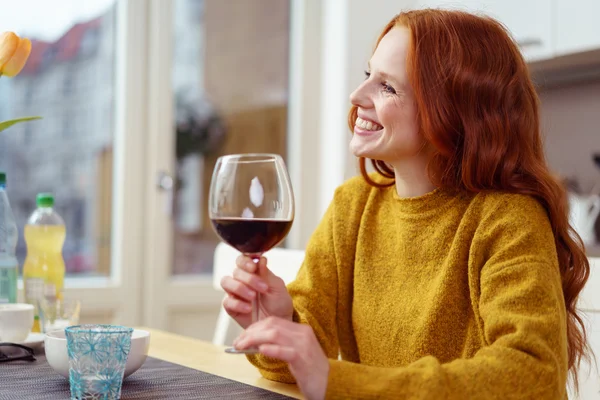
(16, 320)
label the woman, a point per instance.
(452, 273)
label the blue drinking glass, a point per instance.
(97, 358)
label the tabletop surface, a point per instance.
(207, 357)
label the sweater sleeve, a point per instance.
(314, 294)
(520, 311)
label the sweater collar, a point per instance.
(435, 200)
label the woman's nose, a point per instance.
(360, 97)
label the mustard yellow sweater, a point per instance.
(443, 296)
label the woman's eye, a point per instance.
(367, 75)
(388, 88)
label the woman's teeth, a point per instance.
(367, 125)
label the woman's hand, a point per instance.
(295, 344)
(243, 286)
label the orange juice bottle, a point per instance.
(44, 268)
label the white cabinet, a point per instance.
(544, 29)
(529, 21)
(577, 26)
(449, 4)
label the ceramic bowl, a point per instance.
(55, 344)
(15, 322)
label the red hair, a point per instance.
(479, 112)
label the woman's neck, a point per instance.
(411, 177)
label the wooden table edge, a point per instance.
(183, 350)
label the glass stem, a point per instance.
(256, 301)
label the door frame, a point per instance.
(162, 292)
(313, 180)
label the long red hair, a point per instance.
(479, 112)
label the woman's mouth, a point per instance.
(364, 127)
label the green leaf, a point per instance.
(7, 124)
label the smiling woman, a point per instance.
(386, 127)
(450, 273)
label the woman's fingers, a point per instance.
(284, 353)
(271, 330)
(247, 264)
(237, 288)
(236, 306)
(250, 279)
(259, 269)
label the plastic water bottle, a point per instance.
(44, 267)
(9, 266)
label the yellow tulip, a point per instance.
(14, 52)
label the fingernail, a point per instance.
(262, 286)
(251, 293)
(247, 307)
(250, 265)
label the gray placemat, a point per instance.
(157, 379)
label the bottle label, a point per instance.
(34, 289)
(9, 273)
(50, 290)
(4, 287)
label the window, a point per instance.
(231, 96)
(27, 134)
(55, 153)
(68, 84)
(89, 42)
(67, 126)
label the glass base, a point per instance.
(233, 350)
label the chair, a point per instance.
(589, 305)
(589, 299)
(284, 263)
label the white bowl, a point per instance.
(55, 344)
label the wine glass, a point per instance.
(251, 207)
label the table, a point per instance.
(207, 357)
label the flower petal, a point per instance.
(8, 45)
(19, 58)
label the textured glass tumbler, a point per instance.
(58, 313)
(97, 357)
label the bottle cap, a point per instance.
(45, 200)
(2, 178)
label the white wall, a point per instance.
(571, 126)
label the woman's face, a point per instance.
(386, 128)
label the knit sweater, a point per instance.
(442, 296)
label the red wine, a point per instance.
(251, 236)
